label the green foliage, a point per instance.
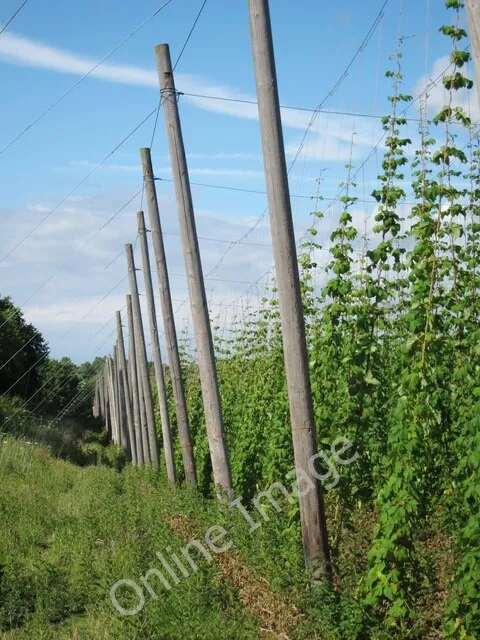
(61, 382)
(393, 340)
(22, 351)
(392, 333)
(68, 534)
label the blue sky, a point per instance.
(50, 45)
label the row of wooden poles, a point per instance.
(123, 395)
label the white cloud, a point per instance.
(223, 156)
(39, 208)
(113, 167)
(438, 96)
(68, 315)
(20, 50)
(231, 173)
(194, 171)
(71, 307)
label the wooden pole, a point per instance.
(312, 512)
(113, 400)
(108, 423)
(108, 403)
(122, 441)
(142, 359)
(98, 398)
(101, 403)
(132, 362)
(473, 19)
(95, 410)
(168, 320)
(115, 397)
(143, 418)
(157, 356)
(123, 406)
(196, 286)
(126, 387)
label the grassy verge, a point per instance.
(70, 532)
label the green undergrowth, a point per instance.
(77, 439)
(69, 533)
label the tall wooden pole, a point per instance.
(124, 438)
(113, 400)
(108, 422)
(312, 512)
(473, 19)
(193, 266)
(126, 387)
(157, 357)
(121, 412)
(96, 400)
(168, 320)
(132, 363)
(108, 400)
(101, 399)
(147, 457)
(142, 358)
(115, 396)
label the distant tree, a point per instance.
(23, 351)
(61, 380)
(88, 370)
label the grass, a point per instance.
(70, 532)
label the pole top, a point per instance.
(164, 63)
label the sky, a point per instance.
(68, 217)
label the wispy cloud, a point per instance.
(17, 49)
(21, 50)
(39, 208)
(113, 167)
(438, 96)
(194, 171)
(344, 18)
(223, 156)
(231, 173)
(86, 265)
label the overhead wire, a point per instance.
(56, 389)
(239, 241)
(232, 243)
(182, 50)
(190, 33)
(65, 379)
(84, 77)
(315, 113)
(89, 174)
(13, 16)
(51, 377)
(85, 315)
(334, 200)
(140, 191)
(9, 316)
